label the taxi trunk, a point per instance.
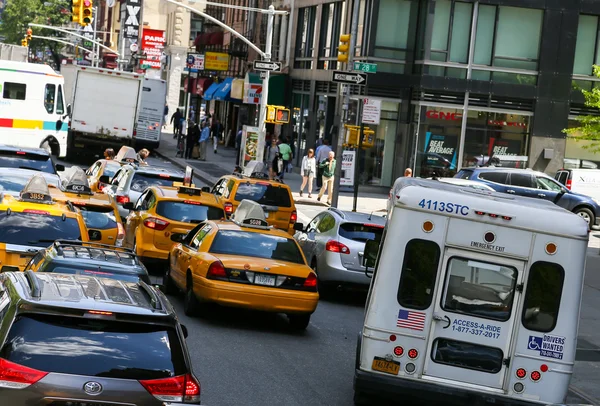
(102, 223)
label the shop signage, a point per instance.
(371, 113)
(153, 44)
(216, 61)
(132, 22)
(443, 116)
(507, 123)
(504, 147)
(441, 150)
(194, 63)
(252, 93)
(348, 168)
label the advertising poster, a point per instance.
(153, 45)
(216, 61)
(440, 150)
(348, 168)
(504, 147)
(132, 18)
(251, 145)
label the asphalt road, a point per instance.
(255, 359)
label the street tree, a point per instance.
(589, 126)
(19, 13)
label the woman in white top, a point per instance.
(309, 170)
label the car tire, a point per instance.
(191, 304)
(299, 321)
(587, 215)
(321, 286)
(168, 284)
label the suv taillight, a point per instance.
(335, 246)
(156, 224)
(294, 217)
(183, 388)
(216, 270)
(15, 376)
(568, 185)
(122, 199)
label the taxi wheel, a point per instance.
(191, 304)
(299, 321)
(168, 285)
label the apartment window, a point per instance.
(305, 37)
(391, 36)
(331, 23)
(362, 37)
(587, 48)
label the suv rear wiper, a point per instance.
(30, 168)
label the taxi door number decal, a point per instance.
(445, 207)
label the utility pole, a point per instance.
(345, 93)
(95, 52)
(265, 88)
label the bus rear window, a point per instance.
(542, 296)
(419, 273)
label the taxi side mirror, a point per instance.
(59, 167)
(299, 227)
(129, 206)
(104, 179)
(370, 256)
(205, 189)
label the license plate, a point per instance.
(382, 365)
(266, 280)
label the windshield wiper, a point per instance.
(40, 240)
(30, 168)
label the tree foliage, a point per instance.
(19, 13)
(589, 126)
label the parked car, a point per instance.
(537, 185)
(333, 244)
(584, 181)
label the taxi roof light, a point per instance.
(76, 181)
(36, 190)
(250, 214)
(191, 191)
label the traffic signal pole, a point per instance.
(49, 27)
(345, 93)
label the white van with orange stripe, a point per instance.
(475, 295)
(32, 107)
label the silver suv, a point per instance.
(80, 340)
(333, 244)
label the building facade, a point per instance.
(460, 82)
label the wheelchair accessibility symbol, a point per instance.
(547, 346)
(535, 343)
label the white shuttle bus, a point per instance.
(32, 107)
(475, 296)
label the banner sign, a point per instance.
(348, 168)
(504, 147)
(194, 63)
(216, 61)
(153, 44)
(441, 150)
(131, 28)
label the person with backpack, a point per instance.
(273, 158)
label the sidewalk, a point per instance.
(223, 163)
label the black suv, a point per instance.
(90, 259)
(80, 340)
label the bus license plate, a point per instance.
(266, 280)
(382, 365)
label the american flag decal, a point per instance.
(411, 320)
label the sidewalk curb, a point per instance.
(179, 165)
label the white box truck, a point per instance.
(105, 106)
(9, 52)
(151, 117)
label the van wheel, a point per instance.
(299, 321)
(587, 215)
(168, 284)
(190, 302)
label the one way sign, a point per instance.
(267, 66)
(352, 78)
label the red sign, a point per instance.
(444, 116)
(153, 44)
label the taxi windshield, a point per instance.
(141, 181)
(188, 212)
(98, 217)
(243, 243)
(264, 193)
(41, 163)
(36, 230)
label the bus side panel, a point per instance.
(383, 309)
(541, 343)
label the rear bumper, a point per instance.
(256, 297)
(330, 269)
(374, 384)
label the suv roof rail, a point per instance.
(154, 300)
(34, 283)
(120, 252)
(337, 211)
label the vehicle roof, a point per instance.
(492, 169)
(28, 67)
(525, 213)
(357, 217)
(231, 226)
(97, 199)
(172, 193)
(14, 148)
(88, 293)
(249, 179)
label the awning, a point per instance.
(224, 90)
(208, 95)
(237, 89)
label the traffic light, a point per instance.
(24, 42)
(76, 12)
(277, 115)
(29, 34)
(344, 48)
(87, 12)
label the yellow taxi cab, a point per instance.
(243, 263)
(33, 221)
(100, 174)
(274, 196)
(162, 214)
(99, 210)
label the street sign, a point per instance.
(371, 113)
(267, 66)
(349, 78)
(365, 67)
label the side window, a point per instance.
(326, 224)
(497, 177)
(49, 95)
(140, 201)
(562, 177)
(419, 273)
(93, 170)
(14, 91)
(521, 180)
(542, 296)
(60, 107)
(200, 236)
(218, 189)
(547, 184)
(228, 189)
(123, 180)
(117, 177)
(150, 201)
(312, 226)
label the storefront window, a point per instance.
(437, 146)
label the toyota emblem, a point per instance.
(92, 388)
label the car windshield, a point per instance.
(14, 183)
(102, 348)
(248, 244)
(36, 229)
(264, 193)
(98, 217)
(361, 232)
(19, 159)
(142, 181)
(188, 212)
(126, 274)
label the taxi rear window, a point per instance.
(14, 183)
(105, 348)
(141, 181)
(110, 170)
(98, 217)
(248, 244)
(35, 229)
(188, 212)
(23, 160)
(361, 232)
(264, 193)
